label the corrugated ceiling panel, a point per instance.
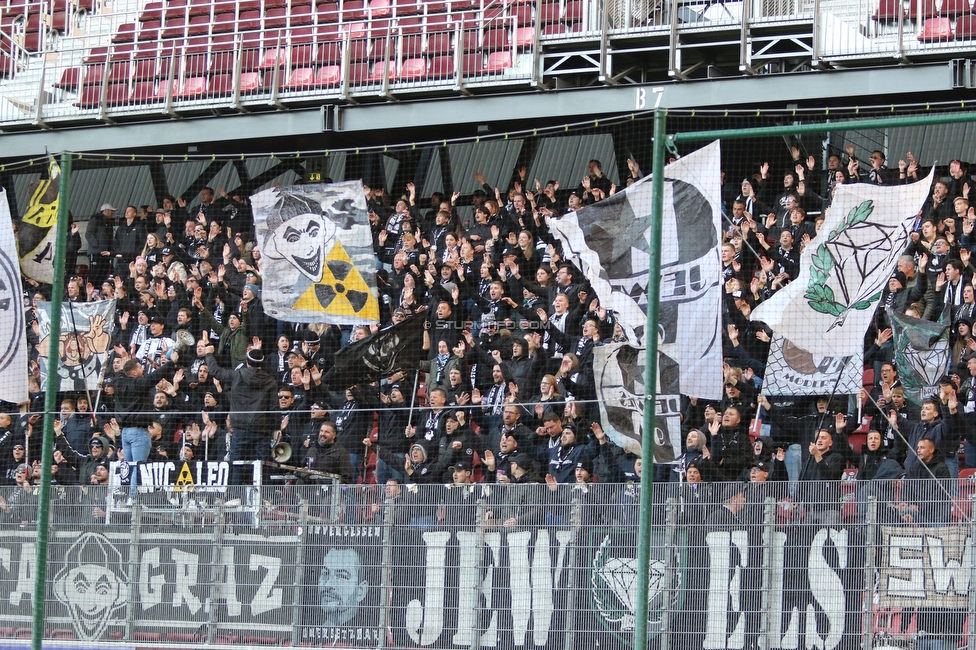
(226, 178)
(179, 176)
(566, 159)
(390, 167)
(433, 178)
(285, 178)
(938, 143)
(120, 186)
(337, 166)
(496, 160)
(255, 166)
(21, 183)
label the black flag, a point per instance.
(393, 348)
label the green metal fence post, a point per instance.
(50, 405)
(650, 383)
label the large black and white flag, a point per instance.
(610, 241)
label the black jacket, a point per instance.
(132, 395)
(253, 396)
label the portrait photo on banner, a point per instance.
(342, 585)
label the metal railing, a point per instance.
(490, 565)
(240, 62)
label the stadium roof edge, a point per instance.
(424, 119)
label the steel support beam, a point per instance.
(428, 117)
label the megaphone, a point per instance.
(281, 452)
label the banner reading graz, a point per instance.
(248, 580)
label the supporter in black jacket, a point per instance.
(133, 404)
(253, 397)
(729, 448)
(328, 455)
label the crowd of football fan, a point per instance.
(507, 392)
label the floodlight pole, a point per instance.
(650, 378)
(50, 404)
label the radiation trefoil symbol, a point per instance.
(851, 253)
(342, 290)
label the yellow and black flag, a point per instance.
(36, 233)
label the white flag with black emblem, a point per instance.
(610, 242)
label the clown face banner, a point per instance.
(318, 253)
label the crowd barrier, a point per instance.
(499, 565)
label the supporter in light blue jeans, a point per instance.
(136, 444)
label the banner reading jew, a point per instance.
(13, 339)
(318, 249)
(829, 306)
(609, 241)
(921, 354)
(38, 226)
(791, 370)
(85, 342)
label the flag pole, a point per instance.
(650, 378)
(50, 404)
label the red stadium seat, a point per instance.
(353, 10)
(91, 97)
(472, 62)
(888, 10)
(302, 55)
(415, 68)
(378, 50)
(498, 61)
(574, 11)
(380, 8)
(199, 26)
(965, 28)
(409, 8)
(439, 43)
(145, 91)
(921, 9)
(301, 14)
(223, 23)
(523, 15)
(93, 74)
(442, 66)
(936, 30)
(276, 17)
(954, 8)
(249, 20)
(412, 45)
(383, 69)
(273, 57)
(194, 87)
(496, 39)
(69, 79)
(328, 75)
(150, 30)
(124, 34)
(525, 36)
(301, 78)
